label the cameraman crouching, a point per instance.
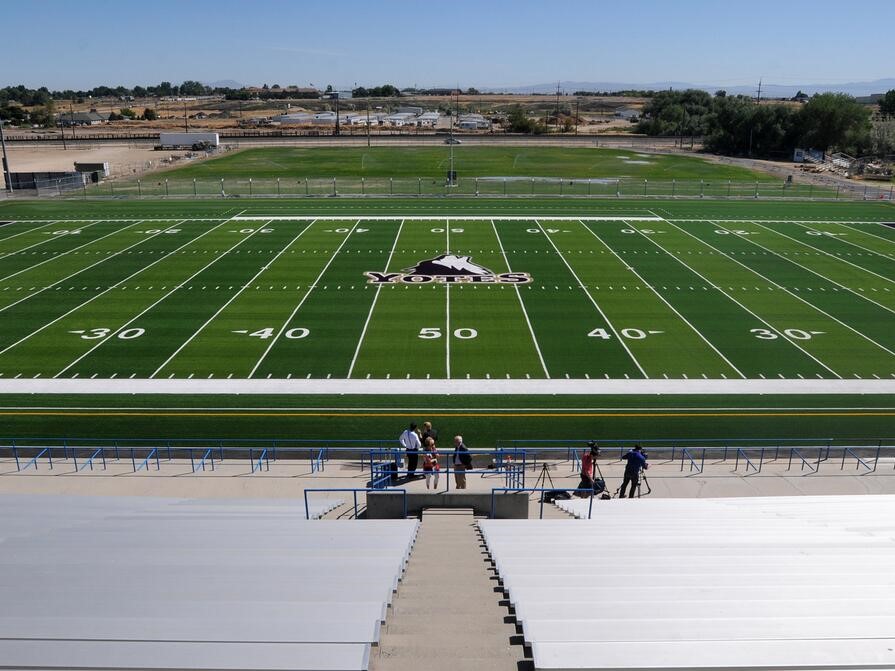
(636, 459)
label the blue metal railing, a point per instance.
(812, 468)
(99, 452)
(261, 460)
(318, 460)
(747, 461)
(848, 452)
(33, 460)
(145, 463)
(687, 457)
(208, 456)
(354, 491)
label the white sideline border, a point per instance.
(447, 387)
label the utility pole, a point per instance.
(577, 104)
(62, 129)
(556, 113)
(7, 178)
(71, 119)
(186, 120)
(758, 99)
(368, 122)
(337, 112)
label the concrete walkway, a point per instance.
(446, 615)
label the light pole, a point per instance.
(7, 178)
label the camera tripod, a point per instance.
(641, 480)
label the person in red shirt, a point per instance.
(588, 459)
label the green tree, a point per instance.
(519, 122)
(127, 113)
(150, 114)
(887, 104)
(834, 121)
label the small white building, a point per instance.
(473, 122)
(401, 119)
(428, 119)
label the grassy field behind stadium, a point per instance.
(469, 161)
(619, 289)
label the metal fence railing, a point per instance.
(510, 187)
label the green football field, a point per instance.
(472, 289)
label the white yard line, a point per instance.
(105, 291)
(177, 287)
(853, 244)
(662, 298)
(54, 258)
(427, 409)
(363, 333)
(464, 217)
(30, 230)
(782, 288)
(743, 307)
(474, 387)
(858, 230)
(78, 272)
(50, 238)
(302, 301)
(230, 300)
(796, 263)
(447, 306)
(817, 249)
(531, 330)
(594, 302)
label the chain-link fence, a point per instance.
(77, 186)
(482, 186)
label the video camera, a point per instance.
(592, 444)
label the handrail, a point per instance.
(208, 453)
(33, 460)
(354, 491)
(145, 463)
(590, 506)
(318, 462)
(859, 461)
(685, 453)
(257, 463)
(748, 461)
(89, 462)
(813, 468)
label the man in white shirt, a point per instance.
(410, 441)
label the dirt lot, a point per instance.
(124, 160)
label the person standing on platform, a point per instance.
(430, 462)
(410, 441)
(588, 458)
(429, 432)
(636, 459)
(462, 462)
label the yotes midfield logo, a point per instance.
(447, 269)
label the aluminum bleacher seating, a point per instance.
(133, 583)
(746, 583)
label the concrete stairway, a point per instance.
(446, 615)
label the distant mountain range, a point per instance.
(767, 89)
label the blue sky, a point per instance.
(66, 44)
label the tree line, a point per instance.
(739, 126)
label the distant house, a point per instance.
(427, 119)
(872, 99)
(401, 119)
(473, 122)
(83, 118)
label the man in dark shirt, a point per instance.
(462, 462)
(636, 462)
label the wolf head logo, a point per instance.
(448, 264)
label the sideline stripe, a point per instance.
(349, 413)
